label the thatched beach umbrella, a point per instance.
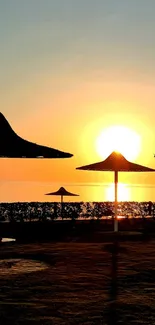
(116, 162)
(13, 146)
(62, 192)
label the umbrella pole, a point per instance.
(61, 206)
(116, 203)
(113, 315)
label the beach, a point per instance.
(74, 287)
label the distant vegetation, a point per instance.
(35, 211)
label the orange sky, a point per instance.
(67, 74)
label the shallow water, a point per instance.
(5, 240)
(15, 266)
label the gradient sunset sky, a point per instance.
(70, 69)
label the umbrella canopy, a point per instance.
(116, 162)
(13, 146)
(62, 192)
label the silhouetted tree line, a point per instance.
(36, 211)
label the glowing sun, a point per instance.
(121, 139)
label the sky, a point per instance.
(69, 70)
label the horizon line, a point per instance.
(77, 184)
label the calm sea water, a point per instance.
(13, 191)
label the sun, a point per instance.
(121, 139)
(123, 192)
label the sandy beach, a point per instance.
(74, 286)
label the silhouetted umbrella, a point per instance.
(116, 163)
(62, 192)
(13, 146)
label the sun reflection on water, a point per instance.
(123, 192)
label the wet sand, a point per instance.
(71, 285)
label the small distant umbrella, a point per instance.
(13, 146)
(116, 162)
(62, 192)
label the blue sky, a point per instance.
(84, 35)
